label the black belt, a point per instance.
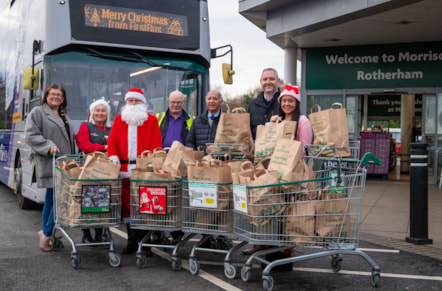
(128, 162)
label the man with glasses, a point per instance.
(174, 123)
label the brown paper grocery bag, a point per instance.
(215, 172)
(333, 217)
(264, 203)
(285, 158)
(299, 223)
(233, 133)
(155, 159)
(97, 167)
(330, 128)
(268, 136)
(174, 163)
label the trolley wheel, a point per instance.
(268, 283)
(375, 279)
(246, 274)
(141, 261)
(176, 264)
(75, 261)
(336, 263)
(229, 271)
(56, 243)
(194, 266)
(114, 260)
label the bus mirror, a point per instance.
(31, 80)
(227, 73)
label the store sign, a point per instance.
(390, 105)
(374, 66)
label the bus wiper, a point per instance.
(153, 64)
(146, 60)
(98, 54)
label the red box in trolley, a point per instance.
(156, 204)
(85, 203)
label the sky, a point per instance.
(252, 51)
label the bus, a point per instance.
(95, 49)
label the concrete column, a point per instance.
(290, 65)
(407, 113)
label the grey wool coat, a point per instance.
(44, 129)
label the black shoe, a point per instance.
(147, 251)
(87, 238)
(155, 237)
(278, 256)
(130, 248)
(252, 250)
(177, 236)
(99, 235)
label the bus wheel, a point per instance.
(23, 203)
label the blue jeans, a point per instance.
(48, 212)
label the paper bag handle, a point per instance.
(246, 164)
(145, 153)
(239, 110)
(337, 104)
(260, 172)
(314, 106)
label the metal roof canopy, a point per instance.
(325, 23)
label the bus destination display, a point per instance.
(135, 20)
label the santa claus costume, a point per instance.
(132, 132)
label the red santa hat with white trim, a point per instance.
(135, 93)
(290, 90)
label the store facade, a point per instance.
(382, 84)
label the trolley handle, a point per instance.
(370, 158)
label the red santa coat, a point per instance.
(121, 143)
(147, 137)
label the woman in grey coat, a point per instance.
(48, 131)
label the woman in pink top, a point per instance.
(289, 109)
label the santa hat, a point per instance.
(135, 93)
(292, 91)
(92, 108)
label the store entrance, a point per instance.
(387, 132)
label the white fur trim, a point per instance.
(124, 175)
(135, 95)
(132, 142)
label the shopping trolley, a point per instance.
(207, 210)
(85, 203)
(155, 205)
(322, 212)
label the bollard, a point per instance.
(418, 195)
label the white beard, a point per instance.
(134, 114)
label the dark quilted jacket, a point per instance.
(260, 113)
(201, 133)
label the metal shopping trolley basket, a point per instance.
(207, 210)
(155, 205)
(85, 203)
(323, 212)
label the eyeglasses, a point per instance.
(56, 94)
